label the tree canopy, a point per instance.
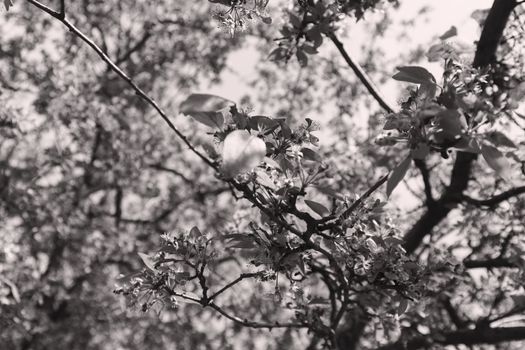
(139, 210)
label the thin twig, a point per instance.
(360, 200)
(363, 77)
(232, 283)
(253, 324)
(123, 75)
(62, 9)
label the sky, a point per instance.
(440, 17)
(428, 26)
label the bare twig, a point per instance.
(232, 283)
(364, 196)
(122, 75)
(253, 324)
(363, 77)
(62, 8)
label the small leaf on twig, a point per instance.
(150, 264)
(206, 109)
(496, 160)
(397, 175)
(317, 207)
(414, 74)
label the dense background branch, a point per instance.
(466, 337)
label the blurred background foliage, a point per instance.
(90, 176)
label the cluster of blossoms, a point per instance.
(466, 115)
(239, 13)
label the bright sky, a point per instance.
(441, 16)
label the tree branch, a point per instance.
(365, 195)
(422, 166)
(466, 337)
(489, 263)
(497, 199)
(139, 44)
(232, 283)
(485, 55)
(453, 314)
(363, 77)
(123, 76)
(252, 324)
(348, 338)
(62, 12)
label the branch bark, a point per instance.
(348, 337)
(489, 263)
(363, 77)
(72, 28)
(485, 55)
(465, 337)
(495, 200)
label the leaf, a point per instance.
(329, 192)
(195, 232)
(150, 264)
(449, 125)
(14, 289)
(241, 152)
(314, 35)
(264, 179)
(421, 151)
(414, 74)
(320, 209)
(206, 109)
(453, 31)
(242, 241)
(122, 279)
(466, 144)
(402, 307)
(271, 163)
(302, 58)
(500, 139)
(266, 19)
(286, 132)
(480, 16)
(519, 300)
(311, 50)
(397, 175)
(260, 121)
(8, 4)
(496, 160)
(309, 154)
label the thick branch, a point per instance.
(466, 337)
(485, 55)
(495, 23)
